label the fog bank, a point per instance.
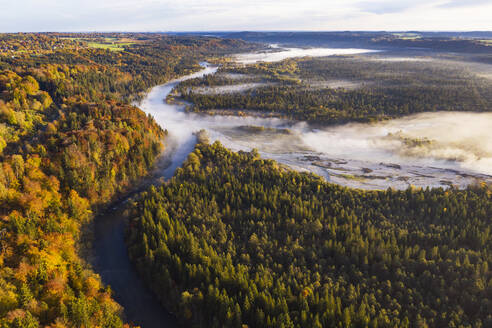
(454, 140)
(251, 58)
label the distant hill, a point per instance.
(463, 42)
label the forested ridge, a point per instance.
(342, 89)
(125, 75)
(233, 241)
(70, 142)
(450, 42)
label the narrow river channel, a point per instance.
(111, 259)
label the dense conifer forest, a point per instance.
(335, 90)
(70, 142)
(236, 241)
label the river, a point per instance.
(437, 149)
(110, 260)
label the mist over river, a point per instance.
(429, 149)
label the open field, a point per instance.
(113, 44)
(110, 46)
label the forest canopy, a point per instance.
(70, 142)
(234, 240)
(340, 89)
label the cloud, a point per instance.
(462, 3)
(187, 15)
(387, 7)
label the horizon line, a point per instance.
(246, 31)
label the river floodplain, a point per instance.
(431, 149)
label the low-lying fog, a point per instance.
(274, 56)
(440, 144)
(234, 88)
(431, 149)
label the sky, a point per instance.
(240, 15)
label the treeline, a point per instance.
(33, 44)
(235, 241)
(93, 73)
(455, 42)
(381, 90)
(70, 142)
